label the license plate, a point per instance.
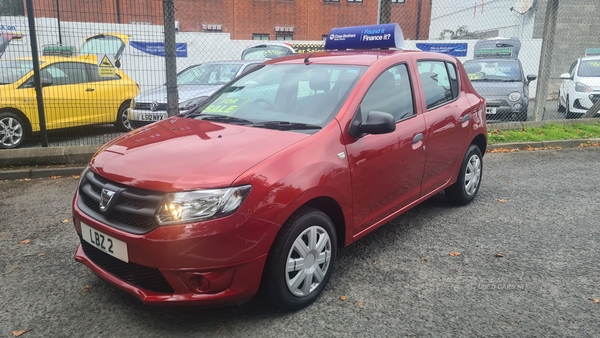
(490, 110)
(151, 117)
(105, 243)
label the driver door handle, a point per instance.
(89, 90)
(418, 138)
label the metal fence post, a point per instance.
(170, 58)
(36, 73)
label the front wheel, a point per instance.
(469, 178)
(301, 260)
(569, 115)
(12, 131)
(122, 123)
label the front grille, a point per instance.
(131, 209)
(147, 105)
(496, 103)
(595, 98)
(141, 276)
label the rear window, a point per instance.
(493, 70)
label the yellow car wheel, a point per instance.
(12, 130)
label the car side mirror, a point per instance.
(531, 77)
(377, 123)
(46, 82)
(565, 76)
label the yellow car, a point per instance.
(76, 92)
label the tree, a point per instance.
(12, 7)
(461, 33)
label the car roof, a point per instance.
(54, 59)
(353, 57)
(241, 62)
(590, 58)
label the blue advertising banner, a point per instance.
(365, 37)
(158, 48)
(455, 49)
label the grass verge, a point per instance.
(548, 132)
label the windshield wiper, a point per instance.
(285, 125)
(219, 118)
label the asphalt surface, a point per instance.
(538, 209)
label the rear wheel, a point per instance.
(469, 178)
(301, 260)
(12, 130)
(122, 123)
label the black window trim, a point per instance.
(445, 67)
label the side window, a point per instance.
(453, 79)
(436, 82)
(64, 73)
(94, 74)
(390, 93)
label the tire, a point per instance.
(308, 242)
(561, 108)
(122, 123)
(12, 130)
(469, 178)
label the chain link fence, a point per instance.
(106, 63)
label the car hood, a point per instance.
(186, 154)
(593, 82)
(489, 89)
(186, 92)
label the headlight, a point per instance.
(514, 96)
(580, 87)
(191, 104)
(191, 206)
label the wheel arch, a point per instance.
(20, 114)
(334, 211)
(481, 143)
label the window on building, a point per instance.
(282, 37)
(354, 0)
(258, 36)
(398, 1)
(324, 37)
(331, 0)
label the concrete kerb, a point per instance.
(70, 160)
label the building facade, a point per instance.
(251, 19)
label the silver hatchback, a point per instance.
(194, 84)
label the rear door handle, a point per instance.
(466, 118)
(418, 138)
(89, 90)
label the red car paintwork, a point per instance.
(381, 177)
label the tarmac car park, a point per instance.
(261, 184)
(580, 87)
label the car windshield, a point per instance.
(13, 70)
(493, 70)
(590, 68)
(208, 74)
(299, 97)
(265, 52)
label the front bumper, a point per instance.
(501, 109)
(582, 102)
(206, 263)
(142, 117)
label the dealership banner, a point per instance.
(158, 48)
(454, 49)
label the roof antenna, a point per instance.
(308, 57)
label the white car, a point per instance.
(580, 87)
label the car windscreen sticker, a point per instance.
(226, 105)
